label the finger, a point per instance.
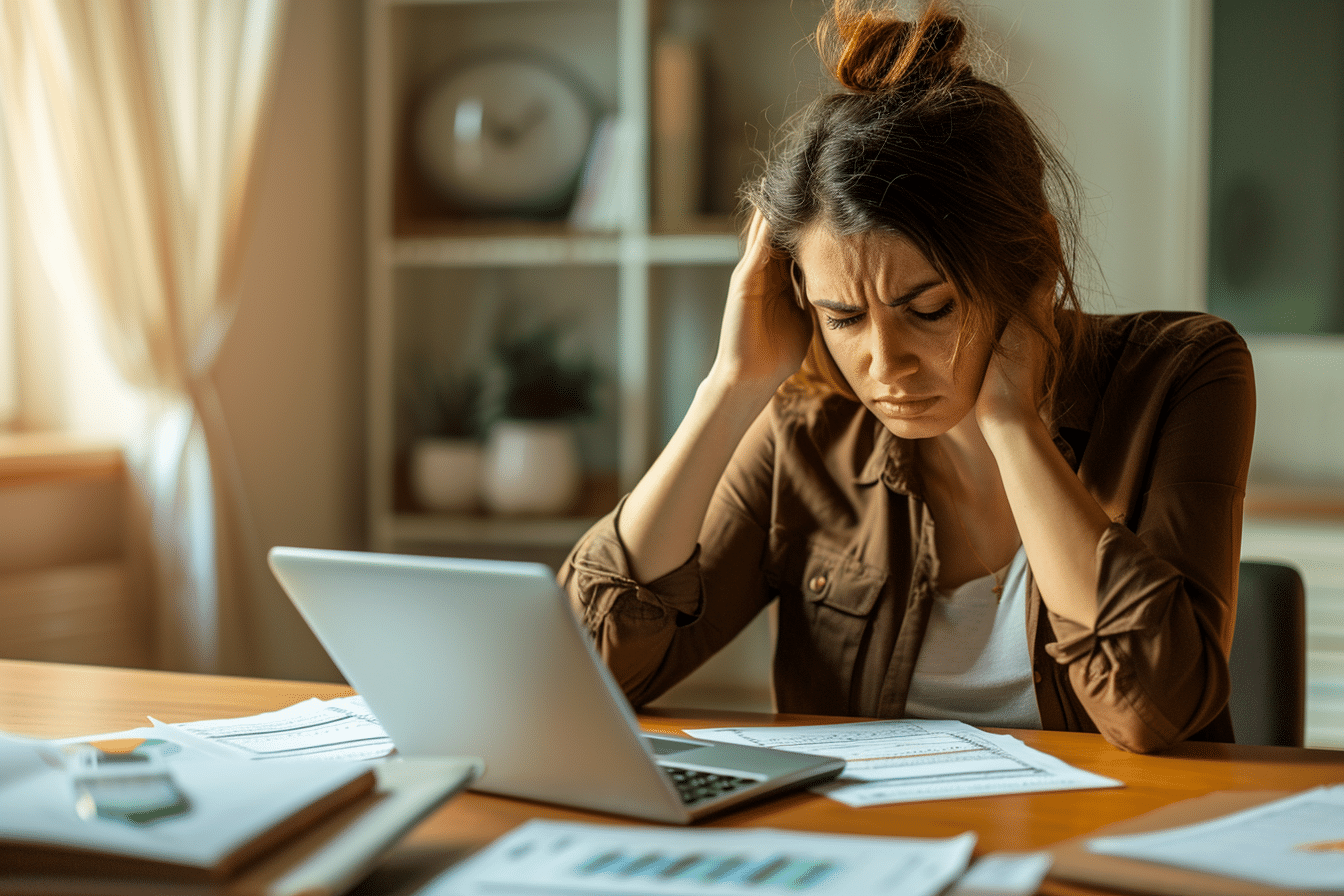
(754, 227)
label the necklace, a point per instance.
(998, 575)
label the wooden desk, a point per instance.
(50, 700)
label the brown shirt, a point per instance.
(820, 510)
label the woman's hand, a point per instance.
(1059, 521)
(1014, 380)
(765, 334)
(762, 341)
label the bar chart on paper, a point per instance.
(780, 871)
(545, 857)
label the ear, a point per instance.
(1051, 226)
(799, 292)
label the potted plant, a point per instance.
(446, 452)
(532, 463)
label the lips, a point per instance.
(904, 407)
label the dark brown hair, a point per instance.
(915, 143)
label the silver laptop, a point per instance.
(485, 658)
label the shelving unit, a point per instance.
(645, 300)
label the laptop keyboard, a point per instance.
(697, 786)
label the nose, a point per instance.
(891, 357)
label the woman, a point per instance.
(969, 498)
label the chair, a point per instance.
(1268, 659)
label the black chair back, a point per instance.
(1268, 660)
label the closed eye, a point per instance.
(839, 323)
(936, 315)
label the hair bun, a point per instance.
(879, 52)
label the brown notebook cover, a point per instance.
(1075, 864)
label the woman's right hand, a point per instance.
(761, 343)
(765, 334)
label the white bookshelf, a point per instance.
(647, 299)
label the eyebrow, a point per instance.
(908, 297)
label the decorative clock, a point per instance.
(506, 133)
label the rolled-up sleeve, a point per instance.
(632, 625)
(652, 635)
(1153, 671)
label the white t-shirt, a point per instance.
(974, 665)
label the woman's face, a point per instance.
(891, 322)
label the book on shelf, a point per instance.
(606, 184)
(678, 131)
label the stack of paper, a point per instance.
(343, 728)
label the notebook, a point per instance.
(485, 658)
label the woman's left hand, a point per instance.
(1014, 380)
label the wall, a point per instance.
(1122, 87)
(290, 374)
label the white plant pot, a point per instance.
(446, 473)
(531, 468)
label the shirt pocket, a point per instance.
(823, 576)
(826, 604)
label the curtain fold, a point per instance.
(133, 128)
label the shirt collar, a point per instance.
(892, 462)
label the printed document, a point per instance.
(910, 760)
(343, 728)
(1294, 842)
(541, 858)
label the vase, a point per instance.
(531, 468)
(446, 474)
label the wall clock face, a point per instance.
(506, 134)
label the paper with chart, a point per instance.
(547, 857)
(1294, 842)
(909, 760)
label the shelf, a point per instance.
(505, 251)
(645, 300)
(693, 248)
(529, 532)
(551, 250)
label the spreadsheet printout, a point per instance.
(910, 760)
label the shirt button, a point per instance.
(817, 584)
(1036, 677)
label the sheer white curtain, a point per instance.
(132, 127)
(9, 389)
